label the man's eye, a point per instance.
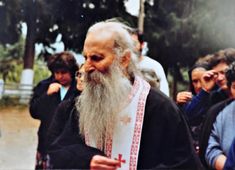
(96, 58)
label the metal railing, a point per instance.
(23, 92)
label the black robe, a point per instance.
(165, 141)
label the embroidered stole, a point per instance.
(125, 142)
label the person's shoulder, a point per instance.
(156, 94)
(156, 97)
(162, 106)
(220, 105)
(149, 60)
(215, 110)
(228, 107)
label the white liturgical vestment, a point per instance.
(124, 144)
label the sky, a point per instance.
(133, 7)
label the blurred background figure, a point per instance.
(80, 77)
(151, 77)
(195, 102)
(65, 109)
(152, 70)
(49, 93)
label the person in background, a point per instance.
(222, 132)
(80, 78)
(220, 63)
(195, 102)
(122, 122)
(220, 97)
(64, 110)
(152, 70)
(49, 93)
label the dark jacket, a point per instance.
(43, 106)
(60, 118)
(217, 96)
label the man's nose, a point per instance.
(88, 67)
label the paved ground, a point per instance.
(18, 139)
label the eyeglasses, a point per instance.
(79, 74)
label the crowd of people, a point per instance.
(114, 111)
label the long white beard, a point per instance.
(103, 97)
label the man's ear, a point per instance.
(126, 58)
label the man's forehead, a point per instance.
(98, 42)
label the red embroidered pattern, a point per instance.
(99, 145)
(87, 141)
(108, 146)
(134, 90)
(138, 126)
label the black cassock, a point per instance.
(166, 141)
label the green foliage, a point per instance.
(14, 74)
(40, 71)
(11, 64)
(11, 61)
(179, 32)
(72, 18)
(9, 101)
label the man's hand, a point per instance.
(183, 97)
(103, 163)
(53, 88)
(209, 80)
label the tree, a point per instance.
(45, 20)
(178, 32)
(10, 57)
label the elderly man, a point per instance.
(123, 123)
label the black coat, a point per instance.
(43, 106)
(60, 118)
(165, 141)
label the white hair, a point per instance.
(123, 41)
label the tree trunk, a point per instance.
(141, 16)
(26, 82)
(175, 82)
(30, 37)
